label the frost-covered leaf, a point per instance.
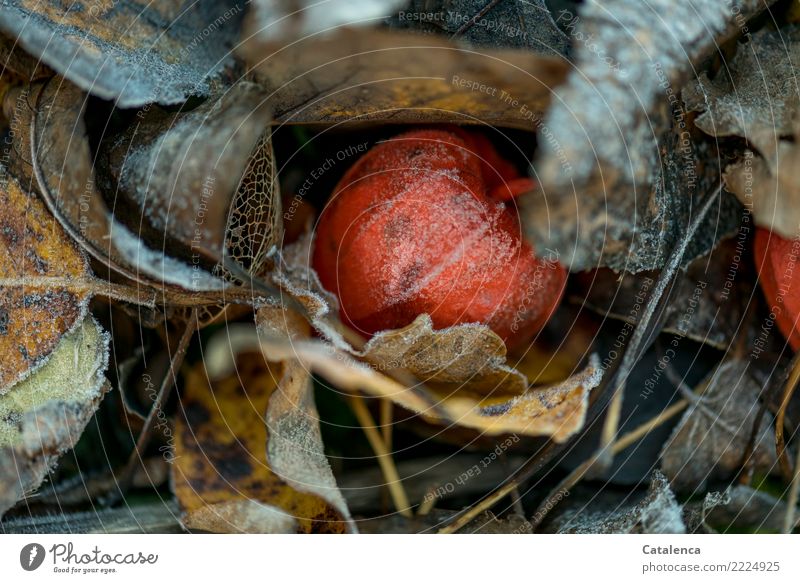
(295, 450)
(178, 175)
(132, 52)
(657, 513)
(44, 415)
(707, 304)
(64, 172)
(755, 96)
(248, 454)
(323, 66)
(466, 355)
(738, 509)
(33, 318)
(711, 438)
(520, 25)
(557, 411)
(618, 170)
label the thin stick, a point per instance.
(780, 440)
(647, 325)
(167, 383)
(385, 416)
(626, 440)
(789, 522)
(140, 295)
(387, 407)
(573, 478)
(471, 22)
(482, 506)
(427, 504)
(385, 460)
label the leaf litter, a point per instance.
(251, 453)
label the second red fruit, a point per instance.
(778, 263)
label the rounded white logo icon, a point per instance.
(31, 556)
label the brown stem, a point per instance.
(167, 383)
(780, 440)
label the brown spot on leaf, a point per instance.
(33, 318)
(222, 476)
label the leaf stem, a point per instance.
(392, 477)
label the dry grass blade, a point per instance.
(393, 481)
(619, 445)
(780, 440)
(790, 522)
(167, 383)
(648, 325)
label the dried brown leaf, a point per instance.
(65, 175)
(466, 355)
(755, 96)
(617, 165)
(44, 415)
(249, 456)
(329, 68)
(33, 319)
(710, 440)
(657, 513)
(556, 411)
(133, 52)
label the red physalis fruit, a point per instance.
(778, 263)
(416, 226)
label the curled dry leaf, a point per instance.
(248, 454)
(51, 152)
(710, 440)
(621, 193)
(556, 411)
(320, 66)
(186, 174)
(468, 355)
(658, 512)
(755, 96)
(132, 52)
(33, 319)
(44, 415)
(64, 172)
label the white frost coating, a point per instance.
(317, 16)
(73, 374)
(157, 265)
